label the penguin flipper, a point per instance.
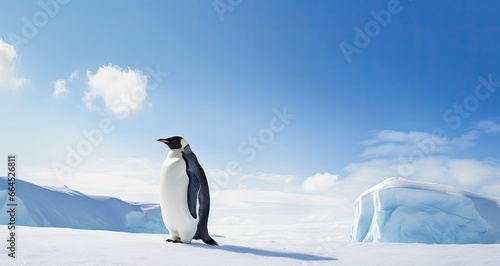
(192, 195)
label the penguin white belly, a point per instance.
(173, 199)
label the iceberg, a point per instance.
(407, 211)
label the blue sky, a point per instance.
(218, 72)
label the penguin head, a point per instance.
(175, 143)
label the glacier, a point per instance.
(407, 211)
(67, 208)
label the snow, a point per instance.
(114, 238)
(62, 246)
(64, 207)
(406, 211)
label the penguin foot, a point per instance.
(210, 241)
(174, 241)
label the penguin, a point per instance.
(184, 194)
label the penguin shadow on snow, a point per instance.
(265, 253)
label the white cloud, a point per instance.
(400, 137)
(320, 183)
(134, 179)
(397, 143)
(222, 179)
(8, 74)
(473, 173)
(273, 197)
(426, 157)
(60, 88)
(488, 126)
(60, 85)
(73, 76)
(123, 91)
(278, 179)
(468, 174)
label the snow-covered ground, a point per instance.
(115, 238)
(62, 246)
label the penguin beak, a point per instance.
(163, 140)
